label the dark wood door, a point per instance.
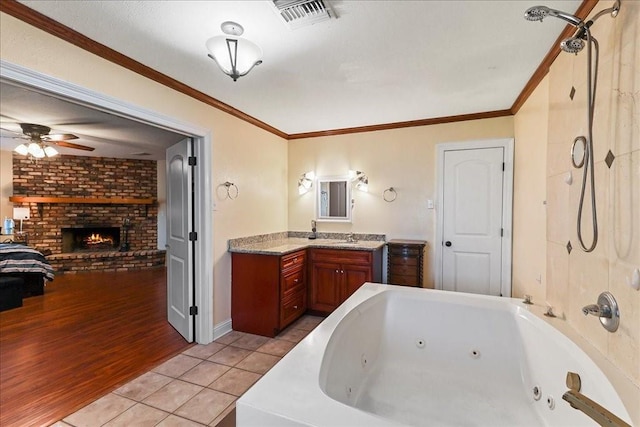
(353, 276)
(325, 287)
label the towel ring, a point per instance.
(230, 192)
(389, 195)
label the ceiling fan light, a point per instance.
(39, 153)
(230, 50)
(22, 149)
(34, 148)
(50, 151)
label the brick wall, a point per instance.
(90, 177)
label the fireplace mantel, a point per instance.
(82, 200)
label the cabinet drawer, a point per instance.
(292, 280)
(344, 256)
(396, 279)
(396, 260)
(403, 270)
(293, 260)
(413, 252)
(293, 306)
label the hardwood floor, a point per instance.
(87, 335)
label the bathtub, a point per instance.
(398, 356)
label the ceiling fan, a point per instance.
(41, 141)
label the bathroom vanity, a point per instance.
(275, 282)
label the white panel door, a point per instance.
(179, 247)
(472, 220)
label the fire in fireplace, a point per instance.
(90, 239)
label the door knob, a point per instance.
(447, 243)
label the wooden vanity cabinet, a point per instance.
(336, 274)
(268, 292)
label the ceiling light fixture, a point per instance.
(235, 56)
(37, 150)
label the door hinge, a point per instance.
(502, 166)
(502, 232)
(192, 161)
(193, 236)
(193, 310)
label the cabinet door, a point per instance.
(353, 276)
(325, 287)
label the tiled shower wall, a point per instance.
(90, 177)
(576, 278)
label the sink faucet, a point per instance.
(313, 230)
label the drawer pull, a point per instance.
(295, 307)
(295, 281)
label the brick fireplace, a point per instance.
(107, 193)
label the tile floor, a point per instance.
(197, 387)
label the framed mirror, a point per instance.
(333, 199)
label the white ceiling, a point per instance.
(379, 62)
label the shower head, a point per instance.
(538, 13)
(572, 45)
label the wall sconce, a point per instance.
(361, 180)
(234, 55)
(306, 182)
(21, 214)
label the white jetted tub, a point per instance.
(398, 356)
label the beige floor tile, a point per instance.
(230, 422)
(235, 381)
(229, 356)
(174, 421)
(177, 366)
(259, 363)
(308, 323)
(276, 347)
(63, 424)
(101, 411)
(143, 386)
(293, 334)
(230, 337)
(205, 406)
(250, 342)
(138, 415)
(205, 373)
(204, 351)
(173, 395)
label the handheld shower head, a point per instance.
(572, 45)
(538, 13)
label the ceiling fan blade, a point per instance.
(72, 145)
(59, 137)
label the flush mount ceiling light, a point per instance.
(235, 56)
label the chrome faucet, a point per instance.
(606, 309)
(313, 230)
(597, 310)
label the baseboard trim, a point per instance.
(221, 329)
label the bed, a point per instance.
(29, 264)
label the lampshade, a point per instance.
(235, 56)
(22, 149)
(50, 151)
(36, 151)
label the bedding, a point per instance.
(18, 259)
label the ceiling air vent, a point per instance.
(300, 13)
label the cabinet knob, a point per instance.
(342, 271)
(295, 280)
(295, 307)
(337, 271)
(295, 260)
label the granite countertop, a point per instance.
(285, 244)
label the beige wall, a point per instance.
(576, 279)
(404, 159)
(529, 195)
(6, 185)
(259, 208)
